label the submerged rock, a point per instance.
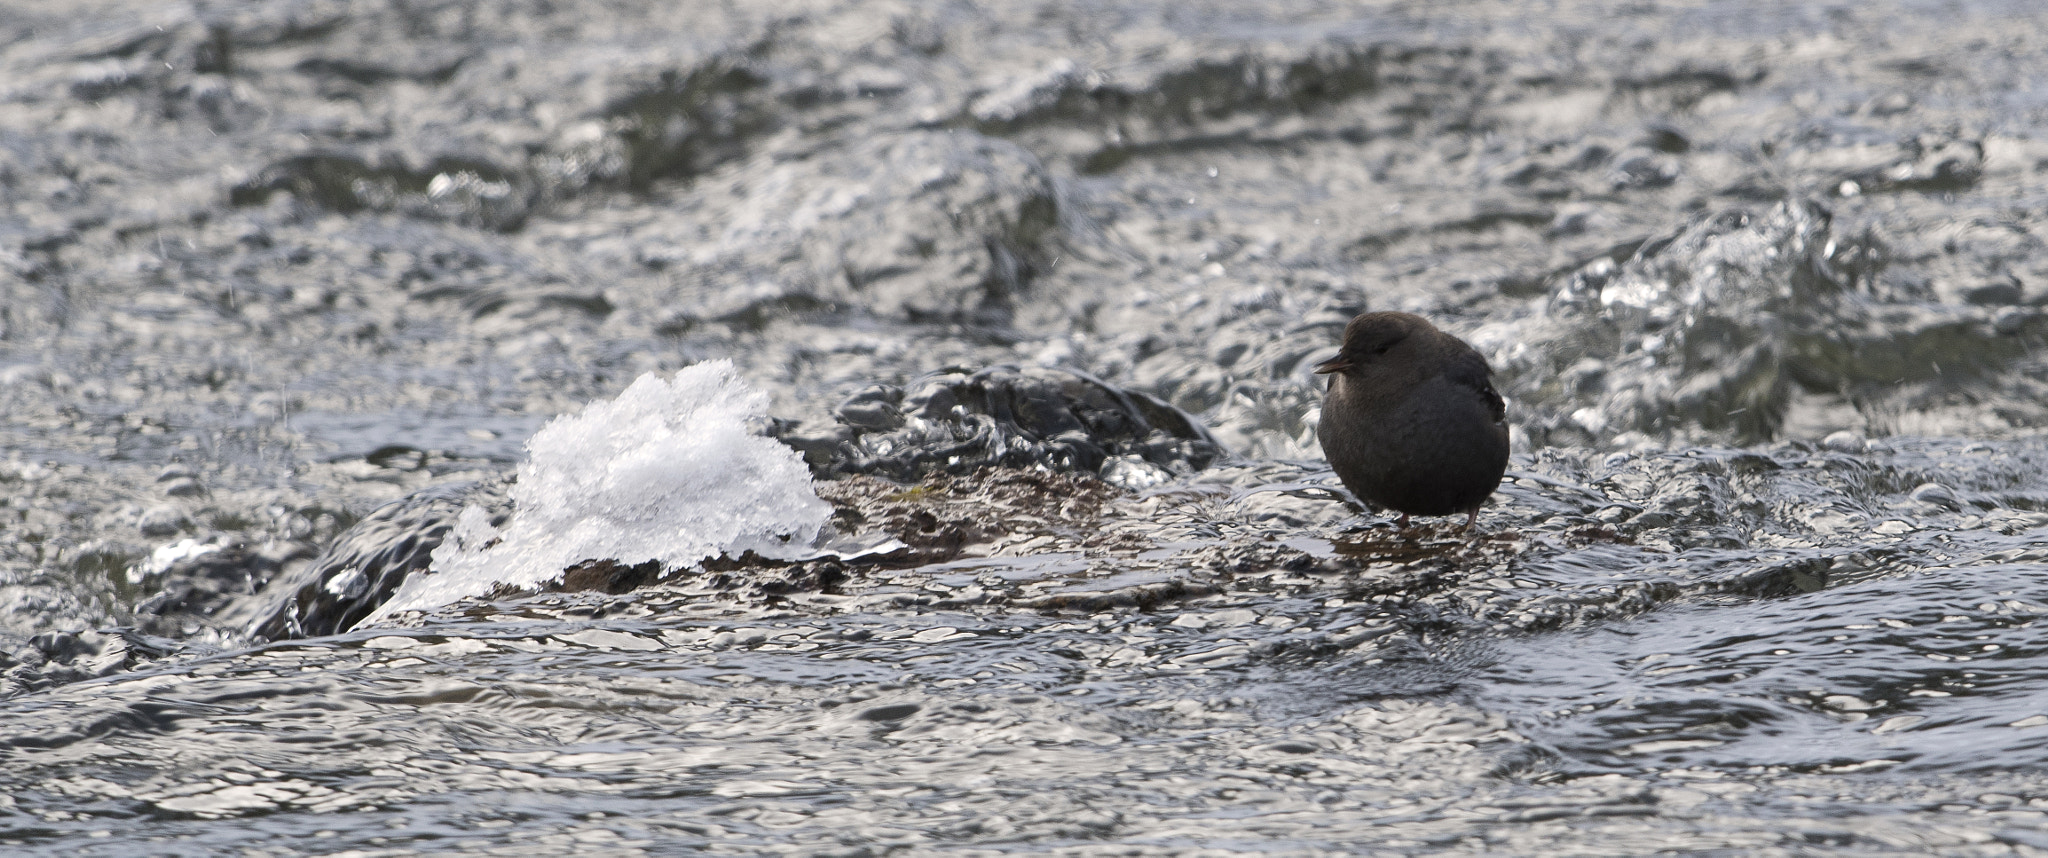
(204, 583)
(58, 658)
(367, 563)
(1721, 329)
(922, 226)
(1702, 329)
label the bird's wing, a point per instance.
(1470, 370)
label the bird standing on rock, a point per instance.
(1412, 422)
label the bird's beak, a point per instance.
(1335, 364)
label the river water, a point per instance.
(1763, 283)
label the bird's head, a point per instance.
(1372, 337)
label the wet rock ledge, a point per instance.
(1061, 527)
(1001, 461)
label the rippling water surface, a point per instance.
(1764, 284)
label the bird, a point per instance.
(1411, 421)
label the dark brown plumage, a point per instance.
(1412, 422)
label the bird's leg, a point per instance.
(1470, 517)
(1402, 522)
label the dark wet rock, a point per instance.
(1144, 597)
(673, 124)
(463, 190)
(1996, 293)
(959, 421)
(1176, 97)
(364, 565)
(193, 593)
(873, 409)
(402, 457)
(688, 121)
(1668, 140)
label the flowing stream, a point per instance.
(1764, 285)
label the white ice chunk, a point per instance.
(668, 471)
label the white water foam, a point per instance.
(668, 471)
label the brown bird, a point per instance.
(1412, 422)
